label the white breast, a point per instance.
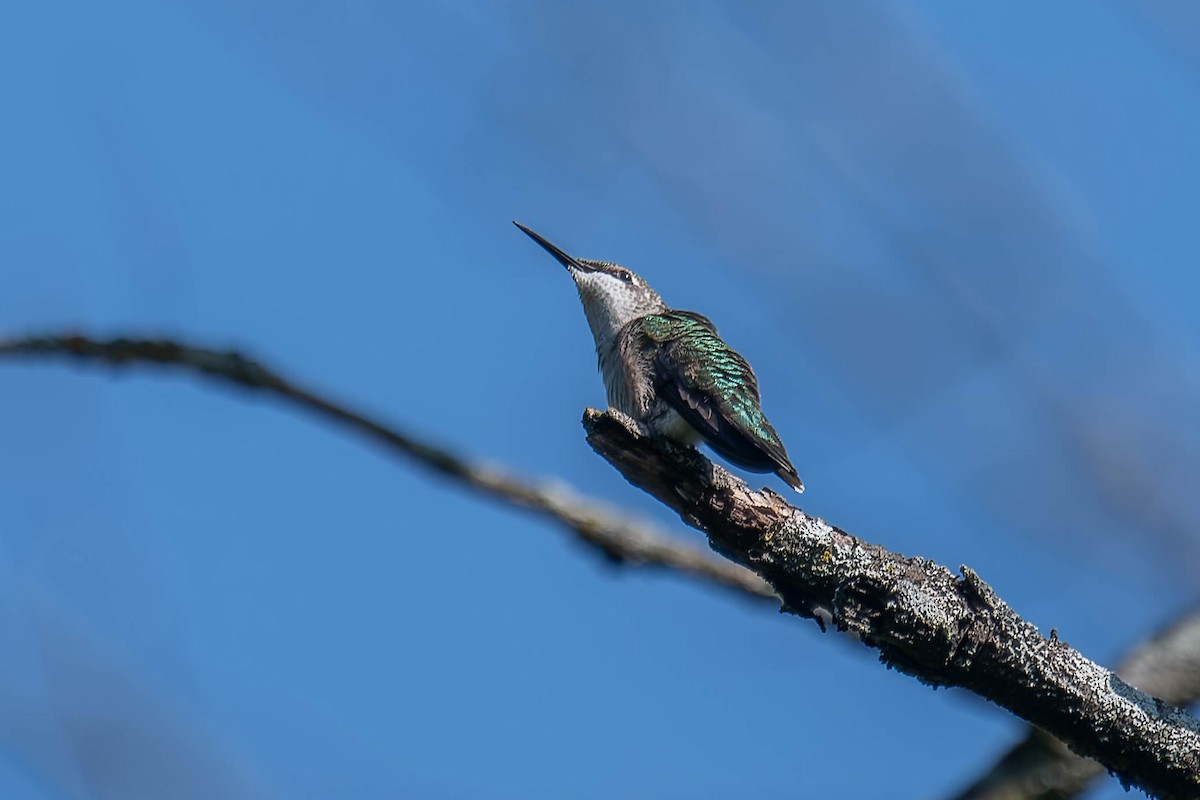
(629, 392)
(621, 395)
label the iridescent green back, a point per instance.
(713, 388)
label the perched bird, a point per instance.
(669, 370)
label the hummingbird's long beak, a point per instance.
(570, 262)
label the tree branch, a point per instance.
(618, 539)
(1040, 767)
(923, 620)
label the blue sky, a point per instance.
(956, 243)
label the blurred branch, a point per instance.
(619, 539)
(1040, 767)
(925, 621)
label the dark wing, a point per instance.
(714, 389)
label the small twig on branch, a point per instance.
(620, 540)
(923, 620)
(1040, 767)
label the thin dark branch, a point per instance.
(619, 539)
(923, 620)
(1040, 767)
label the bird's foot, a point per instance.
(632, 424)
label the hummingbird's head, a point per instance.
(612, 295)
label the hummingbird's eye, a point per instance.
(625, 275)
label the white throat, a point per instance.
(611, 305)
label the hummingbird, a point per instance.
(670, 370)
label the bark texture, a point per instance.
(943, 629)
(1040, 767)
